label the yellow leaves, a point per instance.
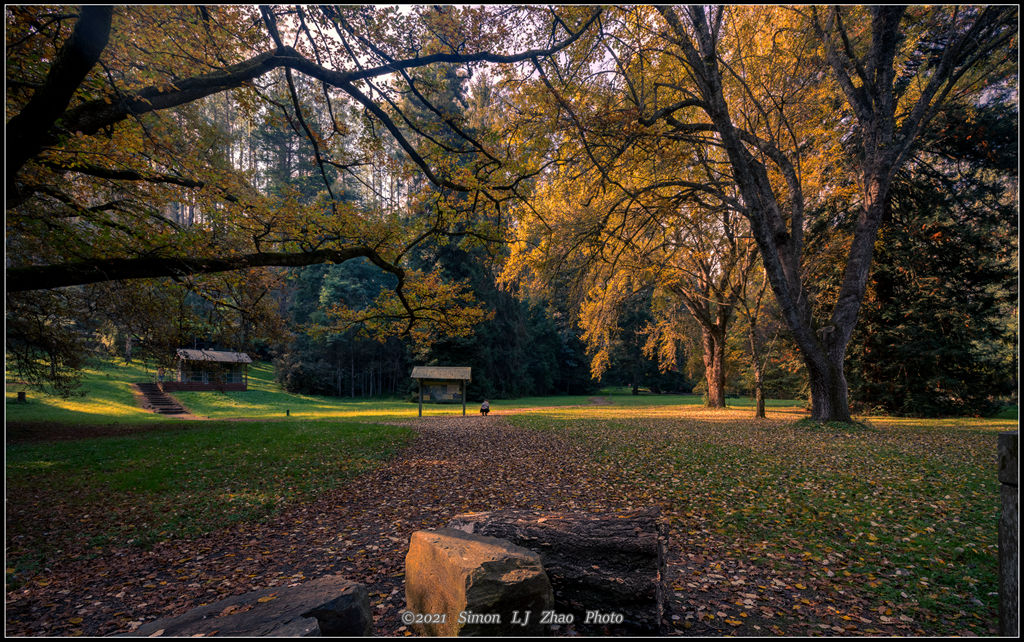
(266, 598)
(599, 317)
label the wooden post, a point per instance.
(420, 383)
(463, 397)
(1009, 535)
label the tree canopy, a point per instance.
(102, 132)
(115, 123)
(649, 167)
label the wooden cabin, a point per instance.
(210, 370)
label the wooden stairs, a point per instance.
(158, 401)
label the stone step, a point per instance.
(158, 401)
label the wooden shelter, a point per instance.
(210, 370)
(442, 384)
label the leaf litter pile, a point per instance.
(776, 528)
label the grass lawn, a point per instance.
(108, 399)
(72, 497)
(903, 510)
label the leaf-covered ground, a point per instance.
(776, 528)
(139, 484)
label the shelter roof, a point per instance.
(218, 356)
(452, 373)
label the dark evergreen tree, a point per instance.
(937, 332)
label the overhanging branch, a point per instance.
(45, 277)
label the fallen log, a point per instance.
(600, 565)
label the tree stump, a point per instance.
(604, 563)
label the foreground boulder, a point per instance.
(458, 583)
(606, 570)
(329, 605)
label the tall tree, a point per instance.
(628, 209)
(893, 84)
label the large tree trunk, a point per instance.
(759, 398)
(829, 399)
(829, 390)
(714, 365)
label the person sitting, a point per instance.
(485, 407)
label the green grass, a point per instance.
(904, 510)
(82, 495)
(107, 398)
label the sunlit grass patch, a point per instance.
(107, 398)
(984, 424)
(655, 410)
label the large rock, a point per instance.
(342, 606)
(459, 583)
(607, 570)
